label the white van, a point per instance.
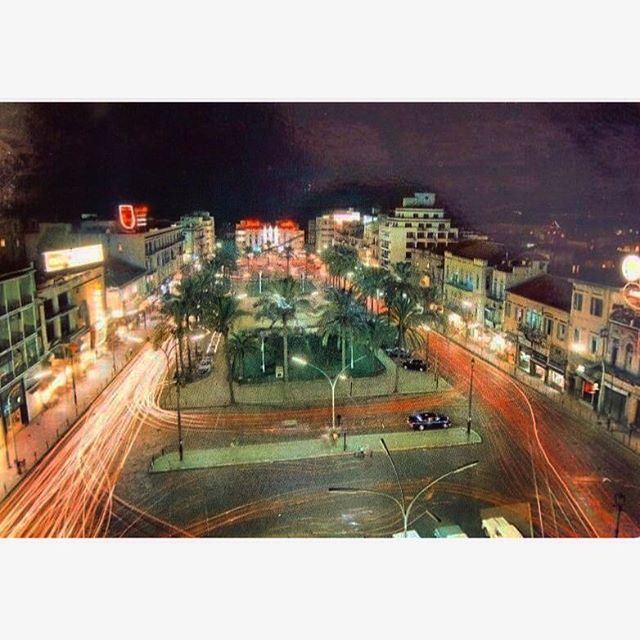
(499, 528)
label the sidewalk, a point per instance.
(312, 448)
(568, 403)
(32, 442)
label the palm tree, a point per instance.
(288, 254)
(341, 318)
(282, 303)
(407, 317)
(241, 344)
(403, 282)
(221, 311)
(376, 333)
(175, 311)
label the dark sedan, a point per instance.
(428, 420)
(415, 364)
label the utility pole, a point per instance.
(473, 362)
(180, 441)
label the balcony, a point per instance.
(533, 335)
(458, 284)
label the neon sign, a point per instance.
(132, 217)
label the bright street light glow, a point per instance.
(299, 360)
(631, 268)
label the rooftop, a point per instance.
(118, 273)
(492, 252)
(546, 289)
(605, 277)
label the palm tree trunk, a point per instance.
(285, 346)
(232, 398)
(343, 340)
(396, 365)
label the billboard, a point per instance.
(132, 217)
(72, 258)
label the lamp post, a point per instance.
(473, 362)
(332, 381)
(177, 383)
(604, 334)
(402, 504)
(263, 335)
(619, 500)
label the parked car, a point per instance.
(428, 420)
(414, 364)
(397, 352)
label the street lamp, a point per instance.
(619, 500)
(473, 362)
(263, 335)
(402, 505)
(332, 381)
(177, 383)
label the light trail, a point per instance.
(70, 493)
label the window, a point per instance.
(547, 326)
(596, 307)
(577, 301)
(628, 356)
(407, 255)
(3, 243)
(593, 345)
(562, 331)
(519, 314)
(576, 335)
(507, 309)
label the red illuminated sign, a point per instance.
(132, 217)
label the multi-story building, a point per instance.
(12, 251)
(329, 228)
(536, 322)
(505, 275)
(596, 292)
(415, 226)
(199, 237)
(252, 234)
(468, 269)
(126, 290)
(360, 235)
(158, 250)
(21, 350)
(429, 263)
(621, 400)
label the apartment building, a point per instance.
(596, 292)
(536, 322)
(468, 269)
(621, 400)
(506, 275)
(21, 350)
(198, 231)
(415, 226)
(329, 228)
(429, 263)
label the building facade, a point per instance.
(199, 236)
(415, 226)
(21, 350)
(621, 400)
(468, 269)
(254, 235)
(536, 322)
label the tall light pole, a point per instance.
(263, 335)
(67, 348)
(177, 383)
(473, 362)
(402, 505)
(332, 381)
(619, 500)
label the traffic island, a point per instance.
(312, 448)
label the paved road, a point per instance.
(568, 472)
(95, 481)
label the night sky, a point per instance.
(484, 161)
